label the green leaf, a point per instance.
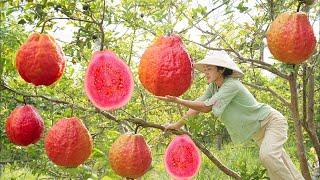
(242, 8)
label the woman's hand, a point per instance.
(168, 98)
(174, 126)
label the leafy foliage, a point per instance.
(127, 27)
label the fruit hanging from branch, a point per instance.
(130, 156)
(108, 81)
(166, 67)
(24, 125)
(182, 158)
(291, 38)
(40, 60)
(68, 142)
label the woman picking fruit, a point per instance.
(245, 118)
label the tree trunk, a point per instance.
(310, 116)
(219, 138)
(297, 125)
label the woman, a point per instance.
(227, 98)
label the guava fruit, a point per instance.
(291, 38)
(24, 125)
(130, 156)
(182, 158)
(108, 81)
(165, 67)
(68, 142)
(40, 60)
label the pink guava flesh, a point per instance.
(108, 81)
(182, 158)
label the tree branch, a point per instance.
(13, 161)
(106, 114)
(139, 122)
(282, 99)
(263, 64)
(204, 16)
(101, 25)
(67, 18)
(203, 149)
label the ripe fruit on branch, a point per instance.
(291, 38)
(24, 125)
(166, 67)
(130, 156)
(40, 60)
(68, 142)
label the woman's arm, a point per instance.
(195, 105)
(179, 124)
(190, 113)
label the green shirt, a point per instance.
(236, 107)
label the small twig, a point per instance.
(299, 5)
(204, 16)
(282, 99)
(67, 18)
(24, 100)
(101, 25)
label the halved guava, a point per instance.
(182, 158)
(108, 81)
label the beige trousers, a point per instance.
(270, 138)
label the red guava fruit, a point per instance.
(182, 158)
(291, 38)
(24, 125)
(108, 81)
(68, 142)
(40, 60)
(130, 156)
(165, 67)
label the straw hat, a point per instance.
(222, 59)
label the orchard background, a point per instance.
(127, 27)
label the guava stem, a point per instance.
(24, 100)
(136, 130)
(299, 5)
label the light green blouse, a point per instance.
(236, 107)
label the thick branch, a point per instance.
(312, 130)
(304, 97)
(297, 125)
(106, 114)
(139, 122)
(213, 159)
(13, 161)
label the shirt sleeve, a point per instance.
(222, 97)
(207, 94)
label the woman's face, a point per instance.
(212, 73)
